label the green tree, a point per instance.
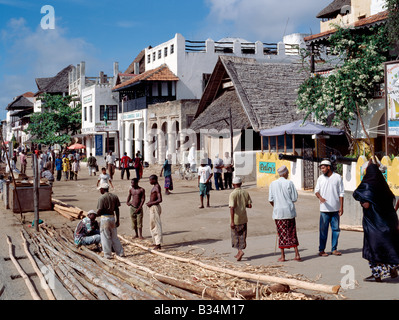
(344, 94)
(58, 121)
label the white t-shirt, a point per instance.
(204, 173)
(330, 188)
(104, 178)
(110, 159)
(218, 162)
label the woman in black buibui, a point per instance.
(380, 224)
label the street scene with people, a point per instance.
(211, 170)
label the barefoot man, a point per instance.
(239, 201)
(135, 200)
(282, 196)
(155, 212)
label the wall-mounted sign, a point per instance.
(267, 167)
(133, 115)
(392, 97)
(99, 144)
(87, 99)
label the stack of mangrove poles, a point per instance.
(68, 211)
(88, 276)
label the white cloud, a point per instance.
(264, 20)
(34, 53)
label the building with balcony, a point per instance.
(97, 99)
(18, 117)
(164, 98)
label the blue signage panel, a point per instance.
(267, 167)
(99, 144)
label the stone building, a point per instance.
(259, 95)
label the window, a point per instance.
(165, 54)
(153, 56)
(85, 114)
(112, 113)
(149, 58)
(172, 48)
(91, 114)
(159, 54)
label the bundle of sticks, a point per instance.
(68, 211)
(89, 276)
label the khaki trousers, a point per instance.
(155, 224)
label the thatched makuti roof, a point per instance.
(20, 103)
(56, 84)
(333, 9)
(266, 93)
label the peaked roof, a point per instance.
(56, 84)
(139, 59)
(333, 8)
(374, 19)
(161, 73)
(266, 92)
(21, 102)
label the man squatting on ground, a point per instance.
(155, 212)
(135, 200)
(282, 196)
(87, 231)
(239, 201)
(108, 207)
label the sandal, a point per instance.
(323, 254)
(336, 253)
(372, 279)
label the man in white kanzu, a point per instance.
(282, 196)
(330, 191)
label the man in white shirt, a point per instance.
(330, 191)
(204, 176)
(282, 196)
(110, 161)
(217, 172)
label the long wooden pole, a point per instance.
(43, 282)
(245, 275)
(36, 182)
(28, 283)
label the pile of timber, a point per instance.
(68, 211)
(89, 276)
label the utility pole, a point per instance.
(36, 182)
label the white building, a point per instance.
(184, 68)
(96, 96)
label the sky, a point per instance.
(103, 31)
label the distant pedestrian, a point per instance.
(155, 212)
(110, 161)
(125, 166)
(204, 176)
(138, 166)
(104, 178)
(239, 201)
(282, 196)
(66, 167)
(23, 160)
(380, 224)
(135, 200)
(108, 208)
(228, 170)
(167, 173)
(58, 167)
(330, 191)
(217, 172)
(75, 169)
(92, 165)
